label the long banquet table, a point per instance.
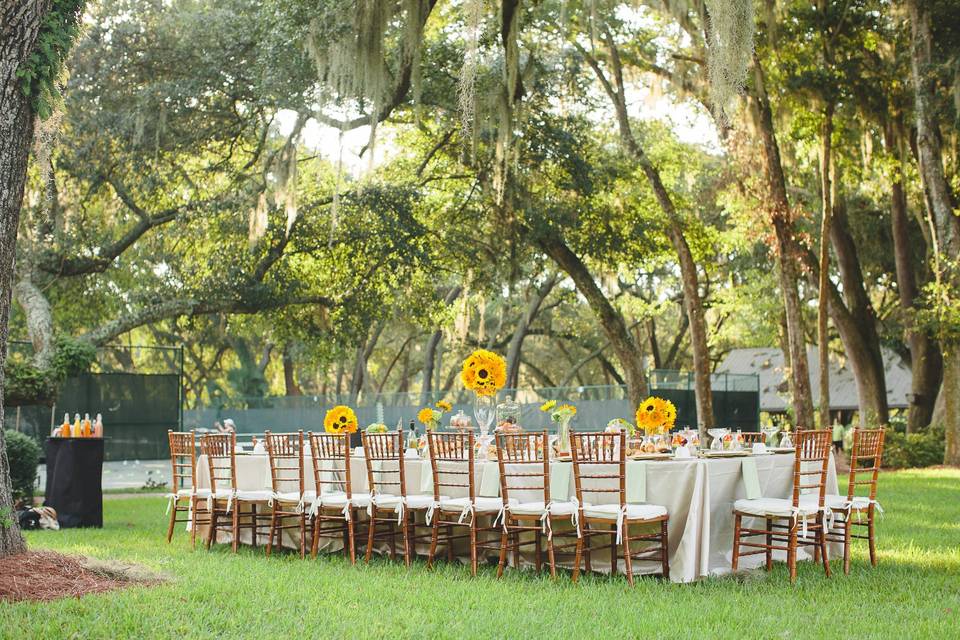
(698, 493)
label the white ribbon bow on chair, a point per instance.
(575, 516)
(621, 514)
(468, 508)
(171, 501)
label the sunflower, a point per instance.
(568, 409)
(669, 415)
(484, 372)
(650, 415)
(444, 406)
(549, 404)
(340, 419)
(428, 417)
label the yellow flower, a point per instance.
(651, 415)
(427, 416)
(568, 408)
(484, 372)
(340, 419)
(444, 406)
(549, 404)
(669, 414)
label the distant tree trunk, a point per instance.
(19, 26)
(291, 388)
(364, 351)
(430, 353)
(611, 321)
(926, 362)
(523, 325)
(937, 189)
(783, 229)
(823, 311)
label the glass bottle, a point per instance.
(508, 415)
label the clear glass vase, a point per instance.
(484, 410)
(563, 436)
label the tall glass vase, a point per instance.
(563, 436)
(484, 410)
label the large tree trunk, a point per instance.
(430, 352)
(786, 258)
(926, 362)
(692, 302)
(290, 386)
(823, 310)
(523, 325)
(19, 25)
(611, 320)
(945, 222)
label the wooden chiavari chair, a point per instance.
(751, 438)
(848, 511)
(386, 478)
(183, 458)
(452, 465)
(225, 500)
(524, 461)
(335, 501)
(790, 521)
(599, 461)
(285, 451)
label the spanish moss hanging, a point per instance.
(730, 45)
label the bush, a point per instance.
(23, 453)
(906, 450)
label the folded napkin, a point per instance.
(636, 482)
(560, 481)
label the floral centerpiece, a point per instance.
(376, 427)
(484, 373)
(656, 416)
(561, 415)
(340, 419)
(430, 416)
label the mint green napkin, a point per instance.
(426, 478)
(636, 482)
(751, 479)
(560, 481)
(490, 480)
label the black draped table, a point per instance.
(74, 480)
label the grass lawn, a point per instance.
(915, 592)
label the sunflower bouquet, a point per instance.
(656, 416)
(430, 416)
(560, 413)
(484, 372)
(340, 419)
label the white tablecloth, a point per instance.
(698, 494)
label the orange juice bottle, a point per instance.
(75, 430)
(86, 428)
(98, 427)
(63, 431)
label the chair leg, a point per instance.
(273, 529)
(315, 543)
(792, 552)
(253, 521)
(473, 546)
(737, 520)
(406, 538)
(846, 546)
(587, 542)
(822, 545)
(515, 547)
(392, 532)
(450, 556)
(769, 551)
(613, 550)
(212, 531)
(173, 519)
(576, 557)
(627, 560)
(538, 547)
(872, 538)
(503, 552)
(665, 549)
(371, 532)
(434, 536)
(303, 536)
(235, 526)
(194, 503)
(351, 536)
(550, 557)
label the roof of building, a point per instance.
(767, 363)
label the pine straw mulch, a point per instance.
(42, 576)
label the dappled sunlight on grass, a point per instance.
(912, 592)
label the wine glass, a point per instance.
(768, 433)
(484, 408)
(717, 433)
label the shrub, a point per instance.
(23, 453)
(906, 450)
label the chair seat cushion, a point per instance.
(390, 501)
(254, 496)
(339, 500)
(201, 493)
(220, 494)
(537, 508)
(294, 496)
(421, 502)
(779, 507)
(481, 504)
(634, 511)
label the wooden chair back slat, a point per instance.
(598, 458)
(220, 449)
(385, 469)
(865, 460)
(811, 458)
(524, 461)
(330, 453)
(448, 452)
(285, 451)
(752, 437)
(183, 458)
